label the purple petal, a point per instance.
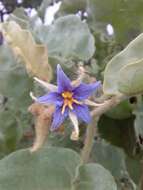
(82, 112)
(83, 91)
(58, 118)
(52, 97)
(63, 82)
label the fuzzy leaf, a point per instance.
(34, 56)
(47, 169)
(113, 74)
(95, 177)
(102, 151)
(14, 99)
(125, 18)
(68, 37)
(131, 79)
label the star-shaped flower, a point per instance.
(69, 99)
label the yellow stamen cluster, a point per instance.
(68, 100)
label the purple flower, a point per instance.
(69, 100)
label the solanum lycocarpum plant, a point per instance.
(71, 99)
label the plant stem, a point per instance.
(90, 133)
(92, 128)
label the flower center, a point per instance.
(68, 100)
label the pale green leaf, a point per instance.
(47, 169)
(68, 37)
(94, 177)
(131, 79)
(15, 86)
(101, 153)
(20, 17)
(124, 16)
(131, 54)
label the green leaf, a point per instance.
(134, 168)
(68, 37)
(20, 17)
(11, 131)
(124, 16)
(51, 169)
(47, 169)
(131, 78)
(15, 83)
(130, 55)
(121, 111)
(15, 86)
(94, 177)
(102, 13)
(113, 129)
(102, 151)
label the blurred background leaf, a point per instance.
(23, 45)
(94, 177)
(113, 72)
(68, 38)
(14, 89)
(113, 159)
(130, 79)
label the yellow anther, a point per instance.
(69, 100)
(67, 94)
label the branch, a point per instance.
(112, 102)
(90, 133)
(92, 128)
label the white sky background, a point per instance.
(50, 12)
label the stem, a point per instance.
(91, 129)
